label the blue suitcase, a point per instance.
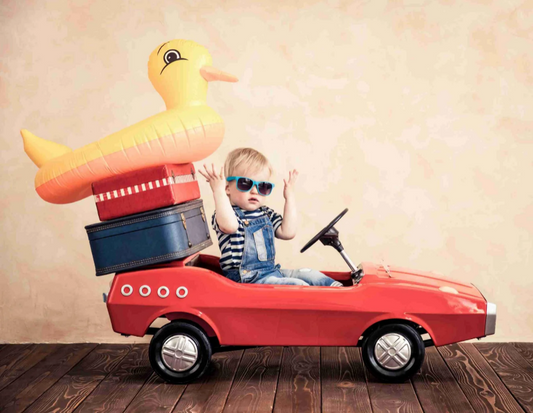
(152, 237)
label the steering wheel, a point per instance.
(326, 229)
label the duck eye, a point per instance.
(171, 56)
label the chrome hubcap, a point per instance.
(179, 353)
(392, 351)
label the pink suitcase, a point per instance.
(144, 190)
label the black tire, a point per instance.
(193, 336)
(397, 373)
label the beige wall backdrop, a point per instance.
(417, 115)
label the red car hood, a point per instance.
(375, 273)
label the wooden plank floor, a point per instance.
(480, 377)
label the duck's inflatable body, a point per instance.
(187, 131)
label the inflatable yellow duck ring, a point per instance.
(187, 131)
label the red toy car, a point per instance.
(386, 310)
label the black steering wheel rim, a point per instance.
(324, 230)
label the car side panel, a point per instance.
(242, 314)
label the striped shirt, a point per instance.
(232, 245)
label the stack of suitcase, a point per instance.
(149, 216)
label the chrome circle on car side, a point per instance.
(392, 351)
(179, 352)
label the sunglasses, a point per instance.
(246, 185)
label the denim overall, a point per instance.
(258, 260)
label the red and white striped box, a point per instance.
(144, 190)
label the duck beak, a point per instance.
(209, 73)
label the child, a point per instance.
(246, 227)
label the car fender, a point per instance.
(409, 318)
(199, 318)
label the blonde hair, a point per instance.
(247, 160)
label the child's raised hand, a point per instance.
(288, 190)
(217, 181)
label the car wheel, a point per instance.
(393, 352)
(180, 352)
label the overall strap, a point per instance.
(239, 212)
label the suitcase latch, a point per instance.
(203, 213)
(185, 226)
(183, 220)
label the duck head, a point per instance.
(180, 70)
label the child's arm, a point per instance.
(287, 229)
(225, 216)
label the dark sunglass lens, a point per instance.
(264, 188)
(244, 184)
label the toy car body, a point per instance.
(384, 310)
